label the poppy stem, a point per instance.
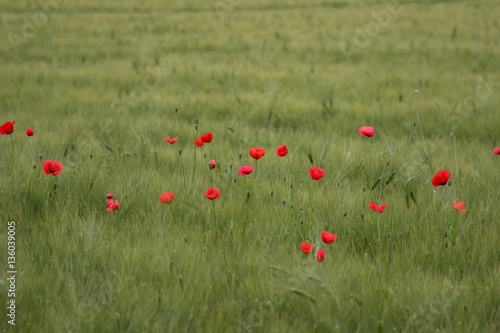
(213, 195)
(379, 239)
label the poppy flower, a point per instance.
(375, 208)
(441, 178)
(306, 247)
(109, 195)
(112, 205)
(328, 237)
(171, 141)
(320, 255)
(199, 142)
(212, 193)
(212, 164)
(316, 173)
(459, 206)
(245, 170)
(29, 132)
(496, 151)
(166, 197)
(367, 131)
(206, 137)
(282, 151)
(7, 128)
(52, 167)
(256, 153)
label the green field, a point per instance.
(99, 83)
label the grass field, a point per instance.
(99, 84)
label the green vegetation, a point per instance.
(99, 84)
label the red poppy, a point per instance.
(496, 151)
(206, 137)
(174, 140)
(320, 255)
(245, 170)
(459, 206)
(109, 195)
(328, 237)
(256, 153)
(212, 193)
(367, 131)
(52, 167)
(375, 208)
(282, 151)
(29, 132)
(441, 178)
(306, 247)
(199, 142)
(166, 197)
(7, 128)
(316, 173)
(112, 205)
(212, 164)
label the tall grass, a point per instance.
(266, 74)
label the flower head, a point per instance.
(441, 178)
(306, 247)
(212, 164)
(199, 142)
(256, 153)
(52, 167)
(112, 205)
(328, 237)
(320, 255)
(375, 208)
(171, 141)
(367, 131)
(30, 132)
(212, 193)
(496, 151)
(316, 173)
(7, 128)
(459, 206)
(245, 170)
(166, 197)
(206, 137)
(109, 195)
(282, 151)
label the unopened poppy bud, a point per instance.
(388, 234)
(284, 179)
(338, 184)
(109, 195)
(362, 216)
(301, 221)
(291, 186)
(446, 244)
(286, 236)
(176, 110)
(185, 239)
(91, 156)
(445, 234)
(416, 91)
(388, 163)
(40, 157)
(204, 155)
(34, 166)
(284, 202)
(345, 214)
(414, 123)
(241, 155)
(449, 182)
(272, 193)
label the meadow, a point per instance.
(102, 83)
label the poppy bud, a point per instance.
(345, 214)
(338, 184)
(176, 110)
(272, 193)
(241, 155)
(109, 195)
(362, 216)
(445, 234)
(416, 91)
(446, 244)
(388, 234)
(180, 152)
(283, 202)
(414, 123)
(301, 221)
(388, 163)
(40, 157)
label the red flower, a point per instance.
(174, 140)
(199, 142)
(328, 237)
(459, 206)
(375, 208)
(109, 195)
(166, 197)
(306, 247)
(256, 153)
(52, 167)
(212, 164)
(206, 137)
(212, 193)
(112, 205)
(496, 151)
(367, 131)
(29, 132)
(316, 173)
(441, 178)
(245, 170)
(320, 255)
(7, 128)
(282, 151)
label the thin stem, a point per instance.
(213, 200)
